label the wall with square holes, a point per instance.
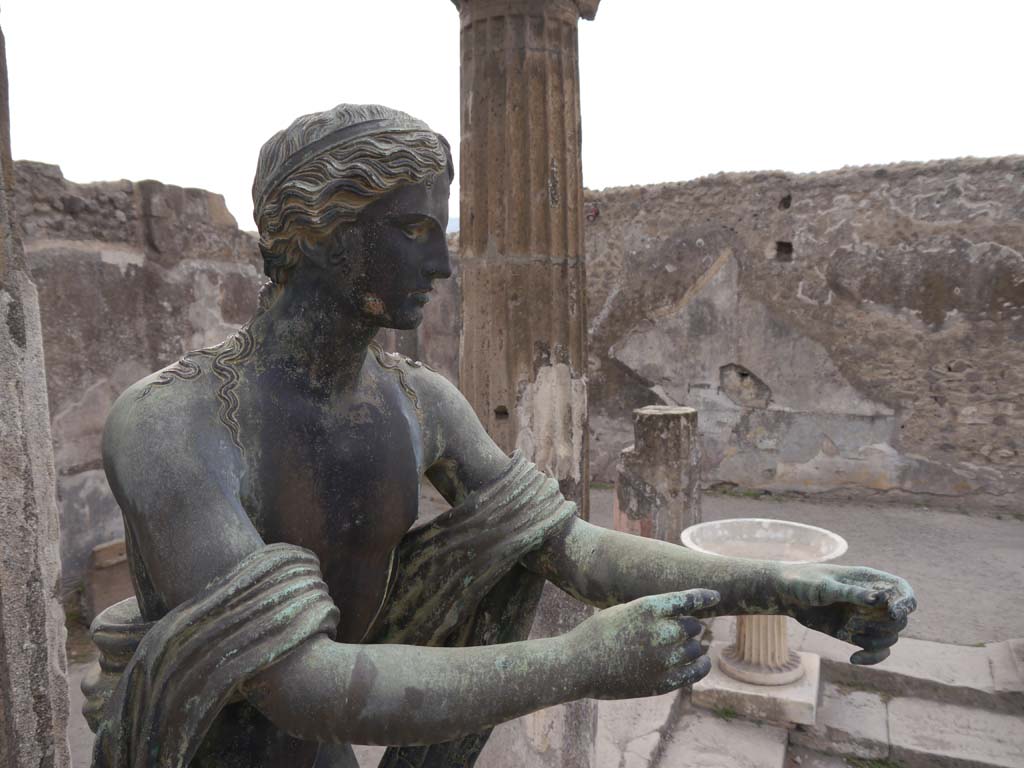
(857, 333)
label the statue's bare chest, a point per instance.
(343, 481)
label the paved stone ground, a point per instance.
(968, 571)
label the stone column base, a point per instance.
(795, 703)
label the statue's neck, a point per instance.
(313, 340)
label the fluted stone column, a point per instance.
(524, 341)
(33, 684)
(521, 240)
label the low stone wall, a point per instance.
(130, 276)
(857, 332)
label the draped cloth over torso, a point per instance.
(457, 581)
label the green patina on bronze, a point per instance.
(286, 604)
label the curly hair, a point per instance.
(318, 174)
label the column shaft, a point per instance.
(657, 489)
(524, 355)
(33, 663)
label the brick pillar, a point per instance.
(524, 341)
(33, 664)
(657, 492)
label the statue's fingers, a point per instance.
(869, 657)
(852, 593)
(827, 590)
(691, 626)
(902, 605)
(686, 653)
(689, 602)
(868, 625)
(668, 632)
(688, 674)
(874, 642)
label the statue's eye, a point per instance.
(416, 230)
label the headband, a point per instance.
(335, 138)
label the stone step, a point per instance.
(986, 677)
(990, 676)
(669, 732)
(931, 734)
(801, 757)
(850, 723)
(911, 732)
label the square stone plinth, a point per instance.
(796, 703)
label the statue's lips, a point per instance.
(420, 297)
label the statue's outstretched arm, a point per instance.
(862, 606)
(401, 694)
(603, 568)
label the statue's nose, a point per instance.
(439, 265)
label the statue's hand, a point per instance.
(643, 648)
(861, 606)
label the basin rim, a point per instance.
(687, 537)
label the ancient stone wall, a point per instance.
(130, 276)
(853, 332)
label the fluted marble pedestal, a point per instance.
(761, 654)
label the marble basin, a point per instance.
(760, 654)
(764, 539)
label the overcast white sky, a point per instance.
(186, 91)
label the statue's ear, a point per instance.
(348, 245)
(337, 249)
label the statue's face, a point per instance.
(403, 251)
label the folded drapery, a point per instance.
(188, 664)
(457, 582)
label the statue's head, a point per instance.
(356, 198)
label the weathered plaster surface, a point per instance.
(852, 332)
(130, 276)
(552, 413)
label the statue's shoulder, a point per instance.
(426, 388)
(169, 416)
(199, 384)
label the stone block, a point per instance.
(1006, 660)
(109, 579)
(849, 722)
(708, 741)
(564, 735)
(930, 734)
(956, 674)
(628, 730)
(635, 753)
(799, 757)
(80, 737)
(795, 703)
